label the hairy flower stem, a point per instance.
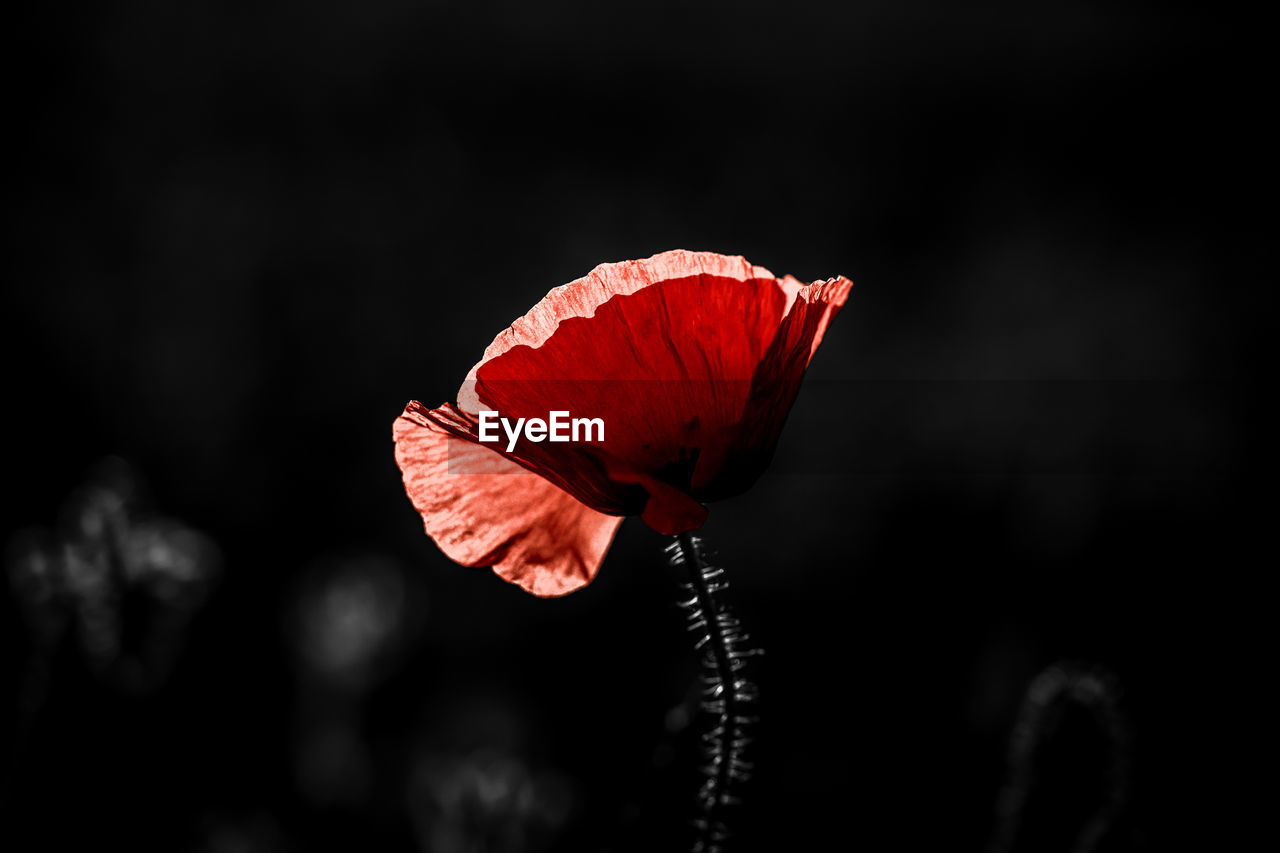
(726, 693)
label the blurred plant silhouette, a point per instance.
(348, 626)
(486, 801)
(251, 833)
(1044, 798)
(350, 620)
(121, 579)
(473, 786)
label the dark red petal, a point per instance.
(483, 509)
(813, 308)
(668, 368)
(582, 297)
(676, 368)
(773, 389)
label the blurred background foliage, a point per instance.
(244, 235)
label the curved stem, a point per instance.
(726, 690)
(1062, 685)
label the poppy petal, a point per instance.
(821, 301)
(483, 509)
(690, 361)
(774, 388)
(676, 367)
(593, 476)
(582, 297)
(668, 381)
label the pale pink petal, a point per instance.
(483, 509)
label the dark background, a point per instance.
(244, 235)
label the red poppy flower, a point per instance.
(690, 359)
